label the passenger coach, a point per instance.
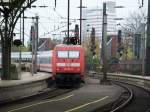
(68, 64)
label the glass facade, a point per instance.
(94, 18)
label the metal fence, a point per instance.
(132, 67)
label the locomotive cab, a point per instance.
(68, 64)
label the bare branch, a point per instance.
(133, 22)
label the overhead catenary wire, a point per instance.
(24, 33)
(43, 26)
(50, 32)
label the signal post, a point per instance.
(93, 46)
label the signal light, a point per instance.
(74, 40)
(93, 46)
(17, 42)
(71, 40)
(94, 53)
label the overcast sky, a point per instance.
(51, 19)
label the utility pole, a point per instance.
(147, 61)
(20, 48)
(34, 44)
(81, 6)
(36, 40)
(23, 29)
(80, 21)
(68, 21)
(143, 51)
(33, 48)
(104, 47)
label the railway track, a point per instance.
(46, 94)
(140, 102)
(133, 99)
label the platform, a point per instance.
(26, 77)
(89, 97)
(28, 85)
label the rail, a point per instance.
(142, 82)
(126, 101)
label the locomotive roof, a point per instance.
(68, 46)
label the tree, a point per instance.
(92, 63)
(10, 10)
(132, 25)
(133, 22)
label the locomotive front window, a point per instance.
(62, 54)
(74, 54)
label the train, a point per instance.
(44, 60)
(65, 62)
(68, 65)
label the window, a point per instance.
(74, 54)
(62, 54)
(68, 54)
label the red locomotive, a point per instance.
(68, 64)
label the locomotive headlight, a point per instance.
(60, 64)
(75, 64)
